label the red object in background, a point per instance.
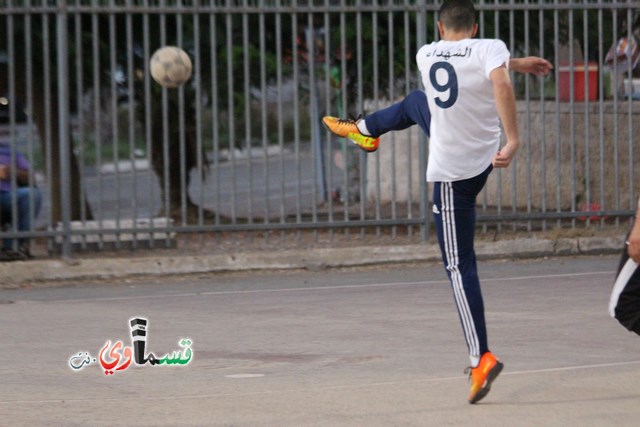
(579, 92)
(592, 207)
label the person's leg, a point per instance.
(625, 298)
(27, 210)
(413, 109)
(455, 218)
(365, 133)
(5, 215)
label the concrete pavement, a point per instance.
(158, 264)
(376, 346)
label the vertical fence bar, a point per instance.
(409, 59)
(424, 212)
(376, 106)
(62, 57)
(280, 109)
(231, 106)
(362, 159)
(182, 139)
(543, 130)
(13, 143)
(345, 108)
(79, 78)
(392, 96)
(587, 115)
(148, 133)
(166, 129)
(97, 117)
(264, 117)
(29, 92)
(48, 120)
(131, 133)
(630, 174)
(485, 192)
(215, 122)
(197, 69)
(572, 120)
(616, 134)
(513, 167)
(247, 110)
(556, 43)
(317, 168)
(496, 24)
(296, 114)
(329, 87)
(115, 128)
(527, 124)
(601, 108)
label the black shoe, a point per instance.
(8, 255)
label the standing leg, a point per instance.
(455, 218)
(26, 210)
(5, 215)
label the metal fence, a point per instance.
(240, 147)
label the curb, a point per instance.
(17, 273)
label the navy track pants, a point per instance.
(412, 110)
(454, 208)
(455, 218)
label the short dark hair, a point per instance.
(457, 15)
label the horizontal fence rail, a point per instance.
(121, 162)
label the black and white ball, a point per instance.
(170, 66)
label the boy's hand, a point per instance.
(531, 64)
(503, 158)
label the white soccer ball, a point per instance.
(170, 66)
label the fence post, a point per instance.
(422, 150)
(315, 127)
(62, 55)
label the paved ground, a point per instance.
(240, 256)
(345, 347)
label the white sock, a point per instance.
(475, 361)
(362, 127)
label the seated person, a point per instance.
(27, 197)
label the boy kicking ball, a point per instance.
(468, 93)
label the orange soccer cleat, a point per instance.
(347, 128)
(483, 375)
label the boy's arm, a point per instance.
(633, 241)
(506, 106)
(530, 64)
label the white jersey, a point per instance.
(465, 128)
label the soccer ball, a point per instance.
(170, 66)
